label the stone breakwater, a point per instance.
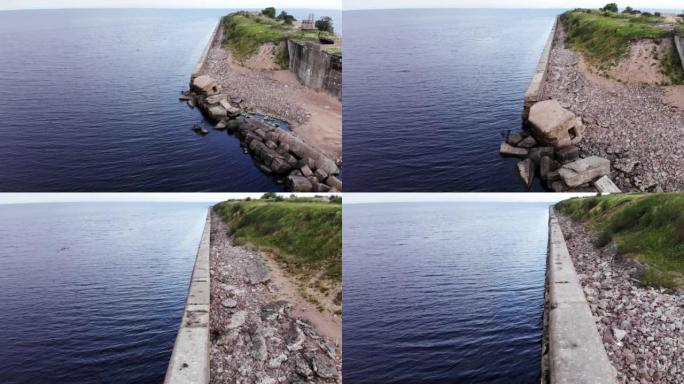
(254, 336)
(276, 152)
(642, 328)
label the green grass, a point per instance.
(604, 36)
(648, 227)
(246, 31)
(304, 232)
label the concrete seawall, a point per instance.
(190, 358)
(534, 91)
(205, 52)
(680, 49)
(573, 351)
(315, 68)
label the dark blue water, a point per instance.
(93, 293)
(90, 103)
(428, 94)
(443, 292)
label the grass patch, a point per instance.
(306, 233)
(648, 227)
(245, 31)
(604, 37)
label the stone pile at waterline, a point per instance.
(548, 147)
(277, 152)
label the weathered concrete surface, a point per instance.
(584, 170)
(606, 185)
(534, 91)
(189, 362)
(205, 52)
(315, 68)
(554, 125)
(575, 351)
(680, 49)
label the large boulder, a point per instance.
(554, 125)
(298, 184)
(204, 84)
(584, 170)
(216, 112)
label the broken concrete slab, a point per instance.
(584, 171)
(526, 172)
(509, 150)
(554, 125)
(606, 185)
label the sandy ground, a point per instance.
(316, 117)
(643, 64)
(642, 328)
(261, 330)
(638, 127)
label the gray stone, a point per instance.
(567, 153)
(545, 167)
(237, 320)
(558, 186)
(306, 171)
(584, 170)
(216, 112)
(509, 150)
(334, 182)
(538, 152)
(298, 184)
(229, 303)
(528, 142)
(514, 138)
(280, 166)
(526, 172)
(320, 174)
(221, 125)
(619, 334)
(606, 185)
(554, 125)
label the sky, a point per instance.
(333, 4)
(518, 197)
(24, 198)
(290, 4)
(379, 4)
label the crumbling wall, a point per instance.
(315, 68)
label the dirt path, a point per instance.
(256, 337)
(642, 328)
(316, 117)
(633, 125)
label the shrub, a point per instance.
(325, 24)
(610, 7)
(269, 12)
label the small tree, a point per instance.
(269, 195)
(286, 18)
(628, 10)
(269, 12)
(610, 7)
(325, 24)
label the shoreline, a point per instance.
(305, 156)
(633, 125)
(641, 328)
(256, 333)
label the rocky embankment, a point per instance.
(549, 149)
(630, 125)
(254, 337)
(642, 328)
(276, 152)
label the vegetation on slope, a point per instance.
(246, 31)
(604, 36)
(300, 231)
(646, 227)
